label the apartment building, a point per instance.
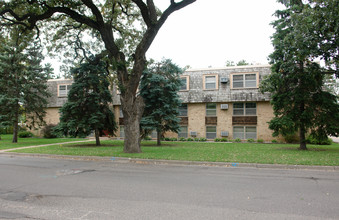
(220, 102)
(217, 103)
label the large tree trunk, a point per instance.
(302, 130)
(15, 130)
(97, 137)
(132, 108)
(158, 137)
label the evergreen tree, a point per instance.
(300, 102)
(23, 88)
(88, 106)
(159, 88)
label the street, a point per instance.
(46, 188)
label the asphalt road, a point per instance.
(40, 188)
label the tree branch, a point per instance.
(144, 11)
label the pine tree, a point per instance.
(23, 88)
(159, 88)
(88, 106)
(300, 102)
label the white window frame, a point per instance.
(245, 109)
(183, 132)
(211, 134)
(187, 83)
(68, 88)
(245, 82)
(122, 131)
(209, 110)
(245, 133)
(182, 110)
(205, 82)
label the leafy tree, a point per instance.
(122, 31)
(23, 88)
(87, 108)
(239, 63)
(300, 101)
(159, 87)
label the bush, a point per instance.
(48, 131)
(311, 139)
(174, 139)
(291, 138)
(260, 141)
(217, 140)
(237, 140)
(25, 134)
(274, 141)
(182, 139)
(250, 140)
(196, 139)
(190, 139)
(202, 139)
(224, 140)
(147, 138)
(6, 130)
(167, 139)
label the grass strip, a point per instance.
(197, 151)
(6, 141)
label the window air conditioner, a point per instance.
(193, 133)
(224, 134)
(224, 80)
(224, 106)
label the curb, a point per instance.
(177, 162)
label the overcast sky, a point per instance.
(209, 32)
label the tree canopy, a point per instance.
(159, 88)
(122, 31)
(88, 105)
(300, 102)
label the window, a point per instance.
(210, 82)
(244, 132)
(184, 83)
(248, 80)
(183, 110)
(154, 134)
(64, 89)
(121, 115)
(122, 131)
(211, 132)
(183, 132)
(244, 109)
(211, 109)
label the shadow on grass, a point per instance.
(308, 149)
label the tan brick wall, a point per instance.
(196, 119)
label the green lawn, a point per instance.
(198, 151)
(6, 141)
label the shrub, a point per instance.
(202, 139)
(190, 139)
(147, 138)
(167, 139)
(182, 139)
(224, 140)
(291, 138)
(311, 139)
(260, 141)
(48, 131)
(250, 140)
(274, 141)
(217, 140)
(6, 130)
(196, 139)
(174, 139)
(237, 140)
(25, 134)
